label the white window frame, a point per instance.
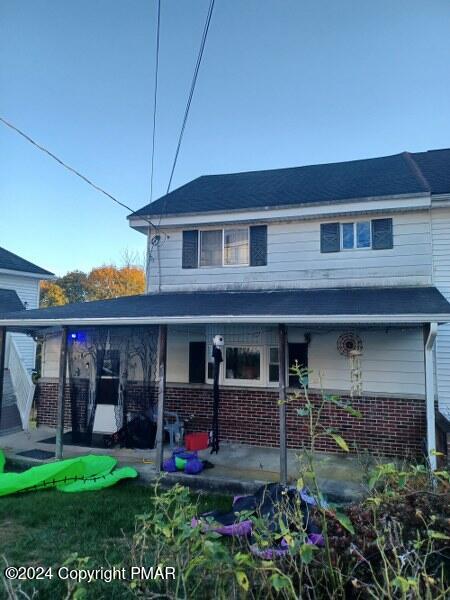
(355, 236)
(245, 382)
(223, 380)
(223, 229)
(273, 383)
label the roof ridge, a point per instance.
(416, 169)
(26, 263)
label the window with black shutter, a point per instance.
(330, 240)
(197, 362)
(382, 234)
(258, 245)
(190, 249)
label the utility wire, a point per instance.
(69, 168)
(191, 93)
(157, 239)
(155, 96)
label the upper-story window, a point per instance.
(376, 234)
(223, 247)
(233, 246)
(211, 248)
(355, 235)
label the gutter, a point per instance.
(414, 319)
(430, 394)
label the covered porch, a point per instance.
(238, 468)
(389, 328)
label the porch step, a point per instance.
(10, 421)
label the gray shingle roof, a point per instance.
(9, 301)
(405, 173)
(302, 303)
(12, 262)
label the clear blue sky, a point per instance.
(283, 83)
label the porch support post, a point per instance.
(282, 337)
(2, 364)
(61, 387)
(162, 356)
(430, 337)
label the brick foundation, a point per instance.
(389, 426)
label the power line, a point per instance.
(191, 93)
(155, 97)
(157, 238)
(69, 168)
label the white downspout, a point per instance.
(429, 389)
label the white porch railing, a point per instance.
(22, 384)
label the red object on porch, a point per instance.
(196, 441)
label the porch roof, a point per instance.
(328, 305)
(9, 301)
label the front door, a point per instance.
(299, 353)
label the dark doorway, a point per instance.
(299, 353)
(197, 360)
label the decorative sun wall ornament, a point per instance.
(350, 345)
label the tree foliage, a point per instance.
(52, 294)
(107, 281)
(75, 286)
(111, 282)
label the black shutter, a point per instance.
(258, 245)
(190, 249)
(382, 234)
(197, 360)
(330, 239)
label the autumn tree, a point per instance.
(75, 285)
(133, 280)
(107, 281)
(111, 282)
(51, 294)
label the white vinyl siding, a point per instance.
(392, 359)
(27, 288)
(441, 278)
(295, 260)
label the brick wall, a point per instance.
(46, 399)
(139, 397)
(389, 426)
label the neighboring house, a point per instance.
(343, 267)
(19, 290)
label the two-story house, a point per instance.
(341, 267)
(19, 290)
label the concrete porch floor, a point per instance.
(238, 468)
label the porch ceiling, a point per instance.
(399, 305)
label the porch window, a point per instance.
(210, 365)
(235, 246)
(243, 363)
(274, 365)
(211, 248)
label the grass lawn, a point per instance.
(45, 527)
